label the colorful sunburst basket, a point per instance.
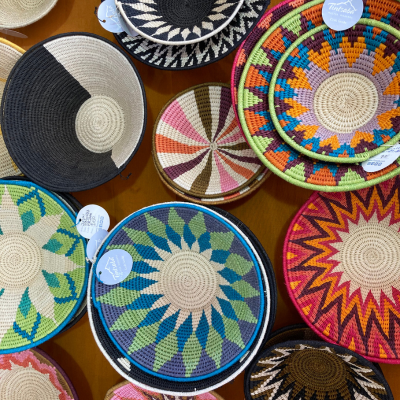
(341, 265)
(43, 267)
(208, 340)
(251, 77)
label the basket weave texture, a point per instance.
(256, 120)
(196, 291)
(198, 147)
(16, 14)
(128, 391)
(43, 270)
(138, 376)
(341, 265)
(33, 375)
(334, 95)
(82, 124)
(255, 185)
(313, 370)
(198, 54)
(9, 55)
(177, 22)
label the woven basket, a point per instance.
(352, 266)
(335, 97)
(292, 332)
(9, 55)
(197, 145)
(269, 18)
(255, 118)
(128, 391)
(313, 370)
(198, 54)
(83, 120)
(43, 270)
(177, 22)
(74, 206)
(255, 185)
(379, 10)
(137, 374)
(16, 14)
(32, 375)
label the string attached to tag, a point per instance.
(96, 13)
(76, 223)
(125, 178)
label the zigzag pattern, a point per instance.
(368, 325)
(280, 374)
(198, 54)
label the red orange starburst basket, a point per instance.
(342, 268)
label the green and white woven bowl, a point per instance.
(43, 268)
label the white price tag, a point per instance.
(340, 15)
(111, 20)
(90, 219)
(114, 266)
(382, 160)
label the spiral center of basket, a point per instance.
(26, 383)
(185, 13)
(20, 260)
(317, 369)
(369, 256)
(100, 124)
(189, 281)
(345, 102)
(213, 146)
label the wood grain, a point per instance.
(267, 212)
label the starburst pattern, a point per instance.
(328, 68)
(294, 371)
(42, 266)
(179, 22)
(192, 302)
(342, 268)
(261, 133)
(198, 54)
(31, 373)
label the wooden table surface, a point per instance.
(267, 212)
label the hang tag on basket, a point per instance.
(340, 15)
(382, 160)
(114, 266)
(94, 243)
(90, 219)
(111, 19)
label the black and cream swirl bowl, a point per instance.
(73, 112)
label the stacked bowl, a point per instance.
(197, 305)
(313, 103)
(199, 151)
(180, 35)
